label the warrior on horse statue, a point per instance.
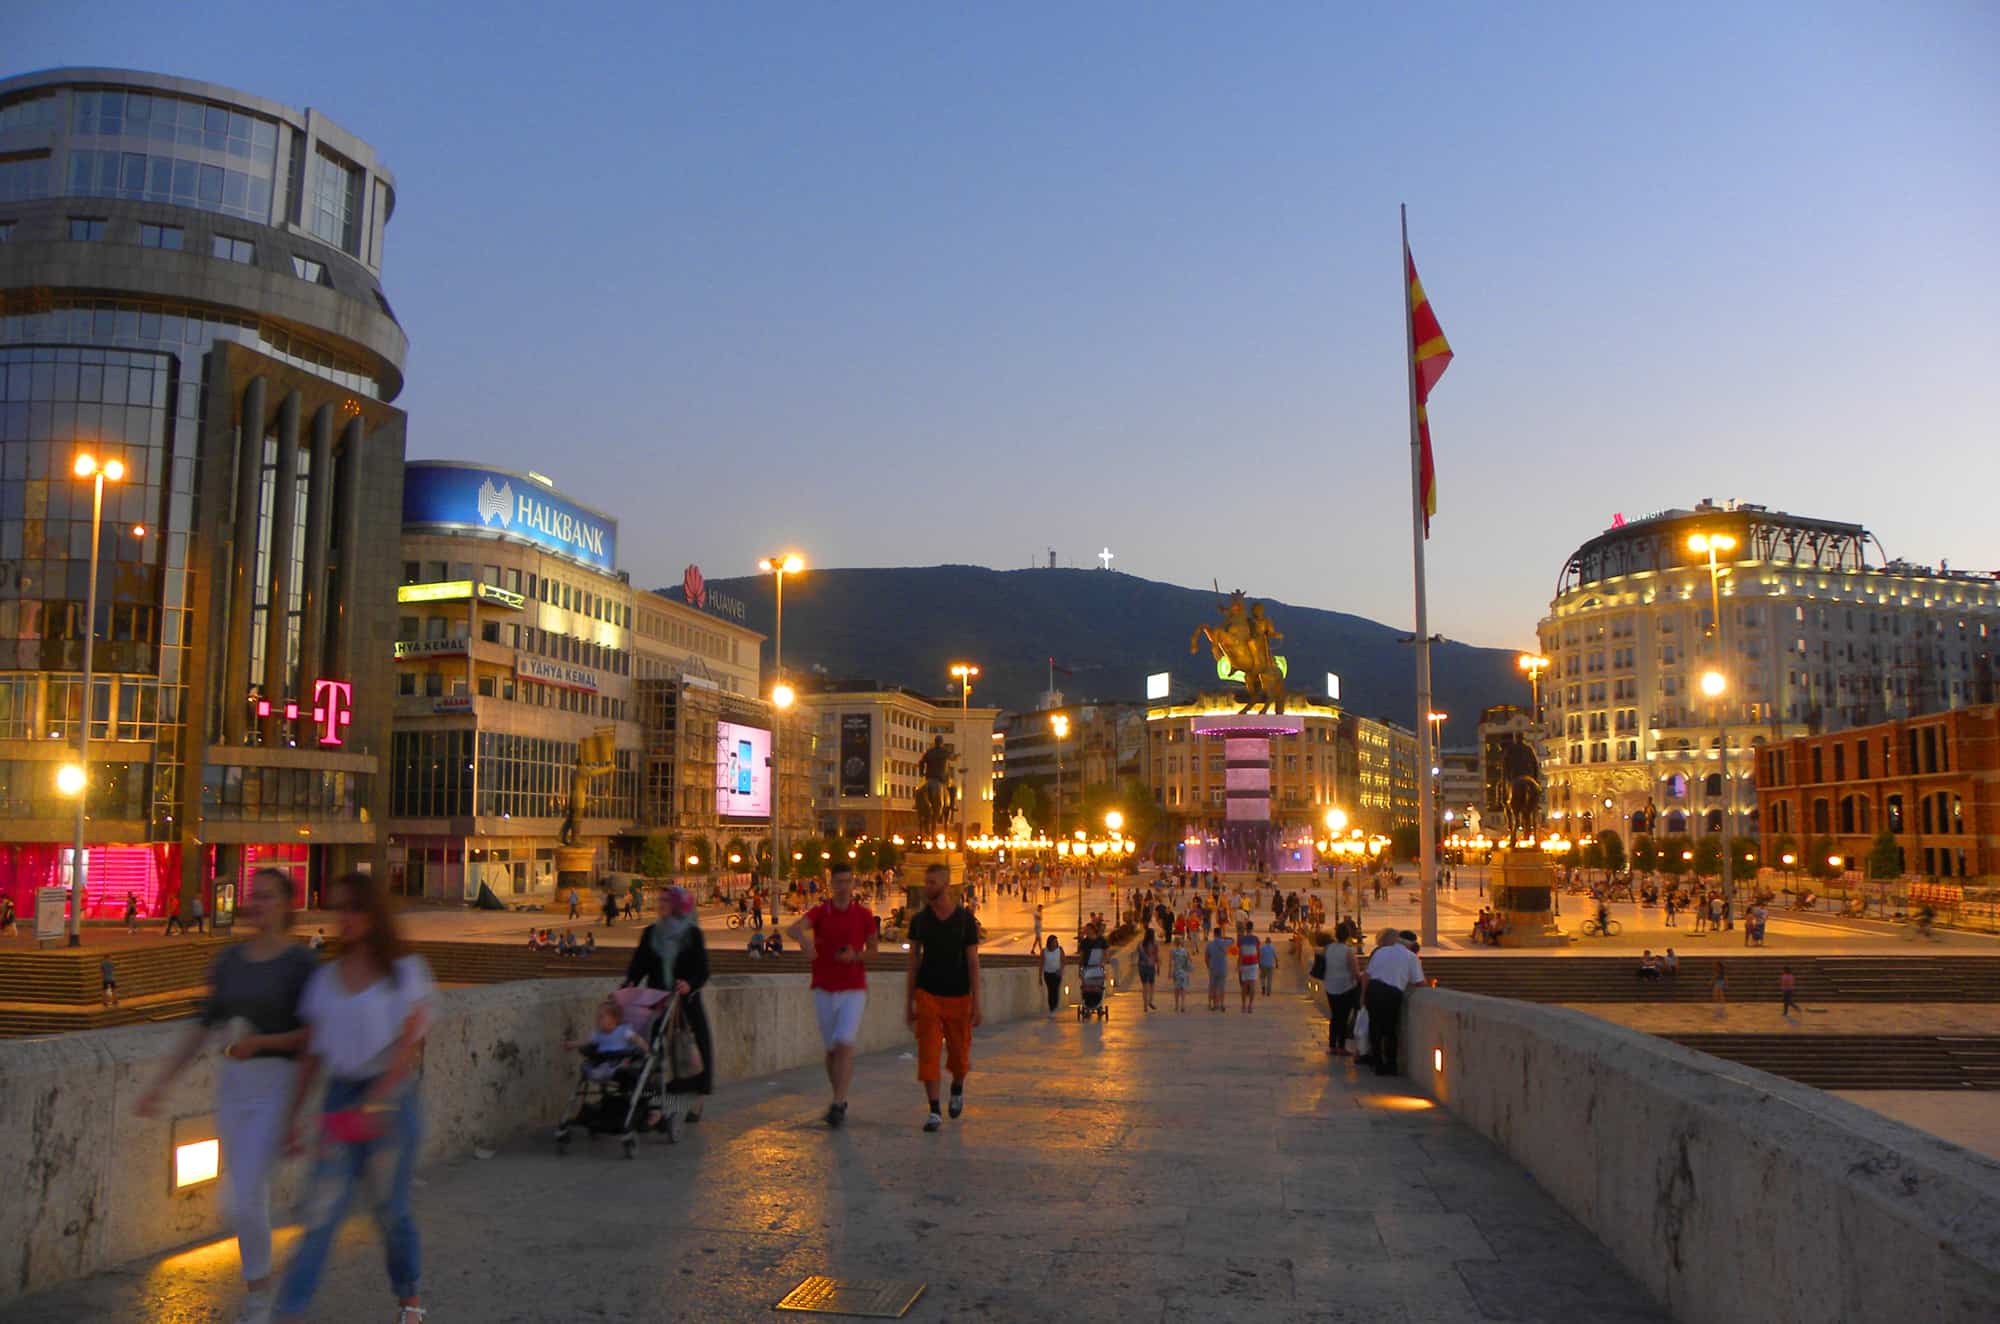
(1243, 642)
(1523, 772)
(937, 798)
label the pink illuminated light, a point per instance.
(333, 708)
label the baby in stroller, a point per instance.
(1091, 981)
(620, 1062)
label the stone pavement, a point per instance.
(1165, 1167)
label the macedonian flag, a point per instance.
(1429, 357)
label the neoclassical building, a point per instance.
(1819, 632)
(190, 285)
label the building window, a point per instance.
(6, 231)
(335, 210)
(162, 236)
(307, 269)
(83, 229)
(232, 250)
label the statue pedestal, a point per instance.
(1524, 895)
(917, 863)
(575, 867)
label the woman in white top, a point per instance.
(1052, 964)
(366, 1014)
(1342, 983)
(1392, 968)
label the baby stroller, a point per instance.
(615, 1091)
(1092, 984)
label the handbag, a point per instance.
(682, 1051)
(1318, 971)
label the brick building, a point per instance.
(1933, 781)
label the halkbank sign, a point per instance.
(446, 494)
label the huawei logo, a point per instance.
(496, 503)
(692, 587)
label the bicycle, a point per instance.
(1609, 928)
(735, 920)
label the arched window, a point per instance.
(1715, 820)
(1712, 784)
(1847, 814)
(1677, 821)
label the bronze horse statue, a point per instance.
(1523, 772)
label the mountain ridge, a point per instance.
(1108, 629)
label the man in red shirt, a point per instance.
(838, 935)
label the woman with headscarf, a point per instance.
(672, 955)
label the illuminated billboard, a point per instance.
(742, 773)
(1158, 684)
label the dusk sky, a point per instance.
(901, 284)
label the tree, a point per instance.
(809, 864)
(1645, 852)
(1885, 857)
(1593, 854)
(1819, 857)
(740, 848)
(1708, 855)
(656, 856)
(699, 857)
(1743, 857)
(1782, 845)
(1612, 847)
(1673, 856)
(1405, 842)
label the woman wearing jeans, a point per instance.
(254, 992)
(366, 1014)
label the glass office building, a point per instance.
(190, 284)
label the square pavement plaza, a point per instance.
(1195, 1166)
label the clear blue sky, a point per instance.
(911, 283)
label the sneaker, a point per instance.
(256, 1309)
(935, 1122)
(957, 1105)
(671, 1125)
(836, 1113)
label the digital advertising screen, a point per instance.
(857, 745)
(742, 772)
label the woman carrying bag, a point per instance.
(1339, 973)
(366, 1015)
(672, 956)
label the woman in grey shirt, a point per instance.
(254, 992)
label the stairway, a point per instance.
(1862, 1061)
(1752, 978)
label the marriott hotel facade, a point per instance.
(190, 286)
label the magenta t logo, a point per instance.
(333, 709)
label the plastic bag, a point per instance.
(1361, 1029)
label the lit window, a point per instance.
(161, 236)
(307, 269)
(232, 250)
(85, 228)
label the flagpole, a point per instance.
(1426, 755)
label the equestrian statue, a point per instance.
(1243, 642)
(937, 798)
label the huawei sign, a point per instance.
(693, 588)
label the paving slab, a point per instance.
(1163, 1166)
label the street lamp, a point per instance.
(109, 471)
(964, 671)
(782, 695)
(1059, 724)
(1534, 664)
(1714, 685)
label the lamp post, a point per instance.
(1336, 823)
(1709, 545)
(965, 671)
(1714, 686)
(782, 564)
(1113, 821)
(1534, 664)
(86, 466)
(1059, 725)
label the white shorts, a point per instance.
(840, 1015)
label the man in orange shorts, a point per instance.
(943, 990)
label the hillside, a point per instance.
(908, 625)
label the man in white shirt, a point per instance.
(1392, 969)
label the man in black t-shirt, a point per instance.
(943, 990)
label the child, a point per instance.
(1786, 984)
(589, 943)
(614, 1039)
(1718, 992)
(110, 973)
(1180, 966)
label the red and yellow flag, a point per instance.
(1429, 357)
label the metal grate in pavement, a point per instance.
(822, 1295)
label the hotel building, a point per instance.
(1819, 632)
